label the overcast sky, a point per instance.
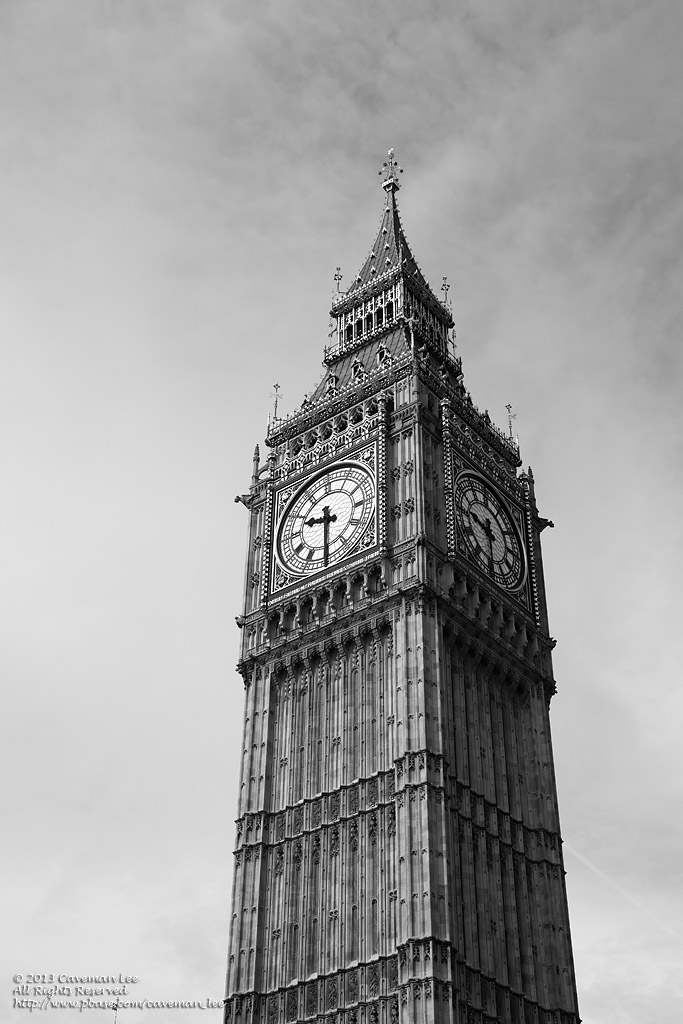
(178, 182)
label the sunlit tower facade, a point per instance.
(398, 853)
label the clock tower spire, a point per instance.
(389, 292)
(398, 853)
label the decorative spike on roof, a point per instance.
(389, 168)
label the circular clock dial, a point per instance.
(326, 519)
(488, 531)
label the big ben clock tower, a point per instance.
(398, 854)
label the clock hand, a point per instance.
(490, 535)
(485, 525)
(325, 519)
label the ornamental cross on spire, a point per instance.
(511, 416)
(389, 169)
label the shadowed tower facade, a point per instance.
(398, 854)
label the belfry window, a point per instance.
(390, 310)
(349, 332)
(368, 323)
(359, 327)
(379, 316)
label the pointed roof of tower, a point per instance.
(389, 260)
(390, 252)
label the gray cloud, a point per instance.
(177, 187)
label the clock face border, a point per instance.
(509, 534)
(289, 568)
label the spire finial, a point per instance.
(276, 389)
(389, 169)
(511, 416)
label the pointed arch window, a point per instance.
(359, 327)
(349, 332)
(379, 316)
(375, 581)
(368, 323)
(390, 310)
(357, 588)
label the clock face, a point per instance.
(489, 532)
(326, 520)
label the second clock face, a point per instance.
(488, 531)
(326, 519)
